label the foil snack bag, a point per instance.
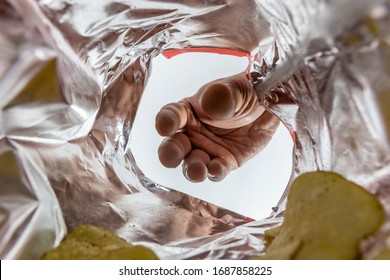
(72, 74)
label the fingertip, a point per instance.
(167, 122)
(196, 171)
(217, 171)
(194, 167)
(170, 153)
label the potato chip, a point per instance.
(326, 217)
(383, 255)
(88, 242)
(271, 233)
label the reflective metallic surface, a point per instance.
(72, 74)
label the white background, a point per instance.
(254, 188)
(103, 270)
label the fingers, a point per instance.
(197, 165)
(171, 118)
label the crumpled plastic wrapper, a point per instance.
(73, 72)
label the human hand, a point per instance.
(214, 131)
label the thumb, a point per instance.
(227, 103)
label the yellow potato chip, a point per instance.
(136, 252)
(383, 255)
(326, 217)
(271, 234)
(87, 242)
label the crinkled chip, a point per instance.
(383, 255)
(88, 242)
(326, 217)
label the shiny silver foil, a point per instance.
(72, 74)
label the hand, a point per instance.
(214, 131)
